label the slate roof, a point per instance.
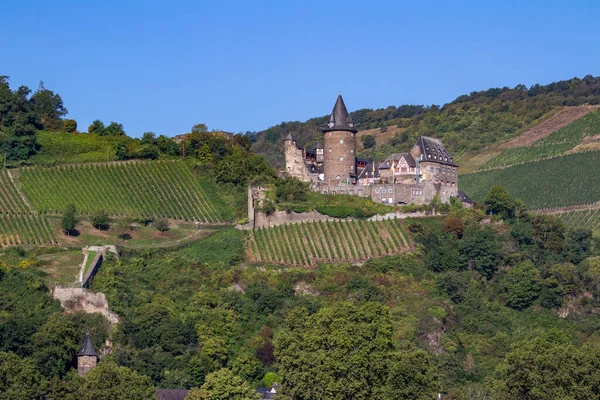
(171, 394)
(87, 348)
(340, 119)
(387, 163)
(462, 196)
(434, 151)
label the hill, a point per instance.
(470, 123)
(162, 189)
(306, 244)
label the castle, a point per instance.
(403, 178)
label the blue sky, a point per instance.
(164, 66)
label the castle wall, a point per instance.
(294, 162)
(339, 155)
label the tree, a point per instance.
(481, 250)
(19, 378)
(69, 220)
(199, 128)
(223, 385)
(522, 285)
(96, 128)
(100, 220)
(56, 345)
(455, 226)
(540, 369)
(500, 202)
(148, 152)
(122, 150)
(49, 107)
(148, 138)
(124, 228)
(70, 125)
(113, 129)
(348, 350)
(110, 382)
(368, 141)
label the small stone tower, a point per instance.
(339, 146)
(87, 357)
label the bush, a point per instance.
(368, 141)
(162, 225)
(70, 125)
(344, 212)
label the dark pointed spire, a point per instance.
(340, 119)
(87, 348)
(289, 136)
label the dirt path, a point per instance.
(558, 120)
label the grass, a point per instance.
(62, 268)
(224, 247)
(63, 147)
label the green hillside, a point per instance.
(556, 143)
(556, 182)
(164, 189)
(312, 242)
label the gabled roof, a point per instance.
(462, 196)
(340, 119)
(389, 161)
(87, 348)
(434, 151)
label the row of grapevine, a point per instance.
(310, 242)
(10, 198)
(556, 182)
(19, 229)
(555, 144)
(588, 219)
(164, 189)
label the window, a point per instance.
(351, 167)
(360, 192)
(351, 151)
(337, 177)
(341, 141)
(376, 190)
(341, 158)
(330, 149)
(390, 190)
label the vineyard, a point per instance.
(18, 229)
(163, 189)
(18, 225)
(555, 182)
(312, 242)
(588, 219)
(555, 144)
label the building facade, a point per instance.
(403, 178)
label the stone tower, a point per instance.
(339, 146)
(87, 357)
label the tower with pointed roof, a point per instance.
(87, 357)
(339, 146)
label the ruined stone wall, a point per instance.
(339, 156)
(295, 165)
(73, 299)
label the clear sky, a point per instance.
(164, 66)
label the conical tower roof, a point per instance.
(289, 136)
(340, 119)
(87, 348)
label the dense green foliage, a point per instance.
(469, 123)
(556, 182)
(165, 189)
(312, 242)
(223, 385)
(555, 144)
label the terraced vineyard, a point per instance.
(556, 182)
(589, 219)
(312, 242)
(18, 225)
(164, 189)
(19, 229)
(555, 144)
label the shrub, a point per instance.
(70, 125)
(162, 225)
(100, 220)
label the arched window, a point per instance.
(337, 177)
(341, 158)
(341, 141)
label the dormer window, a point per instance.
(330, 124)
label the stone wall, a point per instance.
(73, 299)
(294, 162)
